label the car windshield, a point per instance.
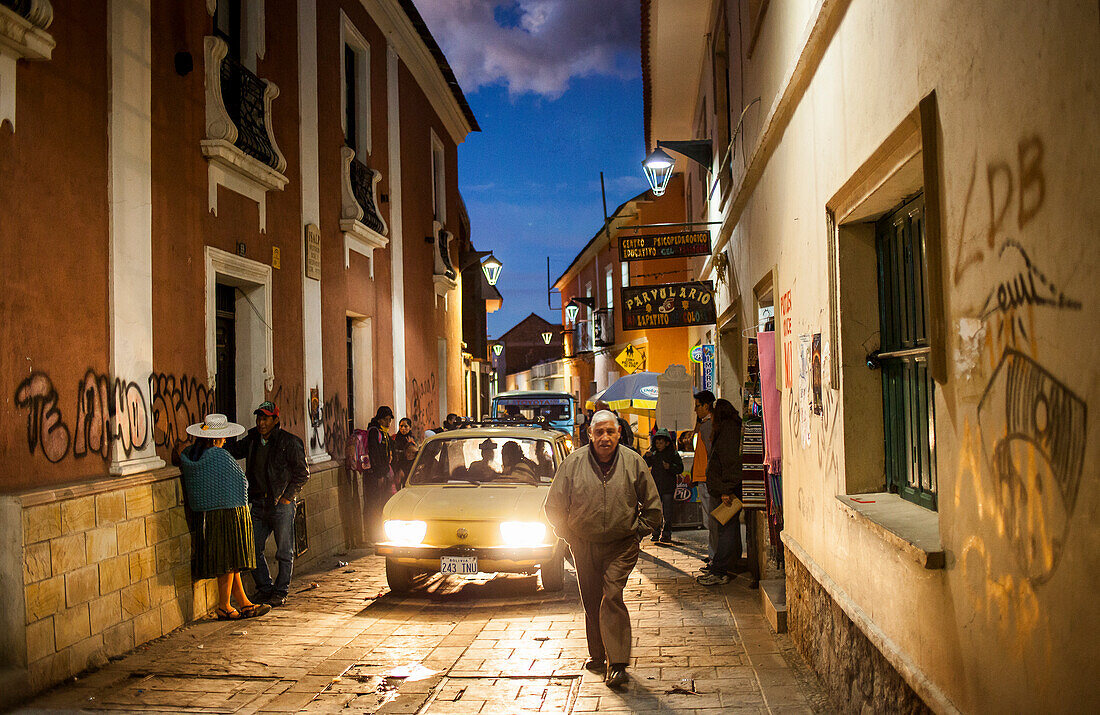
(499, 459)
(553, 410)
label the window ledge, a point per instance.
(911, 528)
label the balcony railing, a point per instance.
(239, 134)
(245, 97)
(362, 187)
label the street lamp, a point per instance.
(492, 267)
(497, 349)
(547, 337)
(571, 311)
(659, 164)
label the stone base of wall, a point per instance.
(857, 676)
(95, 569)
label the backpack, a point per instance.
(357, 456)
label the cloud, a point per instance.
(535, 46)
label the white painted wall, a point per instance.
(1008, 625)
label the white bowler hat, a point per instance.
(215, 427)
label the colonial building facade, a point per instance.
(205, 205)
(906, 190)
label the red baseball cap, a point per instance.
(267, 408)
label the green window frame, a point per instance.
(908, 404)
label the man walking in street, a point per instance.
(276, 471)
(704, 430)
(603, 502)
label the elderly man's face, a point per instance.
(604, 437)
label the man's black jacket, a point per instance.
(286, 471)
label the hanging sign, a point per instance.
(675, 403)
(707, 365)
(631, 359)
(664, 245)
(672, 305)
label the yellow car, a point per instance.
(473, 503)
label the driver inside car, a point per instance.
(482, 469)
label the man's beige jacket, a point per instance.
(583, 504)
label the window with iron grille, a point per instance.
(907, 386)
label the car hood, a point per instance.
(448, 502)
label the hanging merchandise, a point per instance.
(771, 401)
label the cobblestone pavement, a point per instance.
(488, 645)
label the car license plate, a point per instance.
(458, 564)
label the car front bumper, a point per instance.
(489, 558)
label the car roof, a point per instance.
(534, 393)
(522, 432)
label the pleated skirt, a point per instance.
(228, 543)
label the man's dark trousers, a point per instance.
(602, 571)
(277, 519)
(727, 550)
(664, 532)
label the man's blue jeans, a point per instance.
(280, 521)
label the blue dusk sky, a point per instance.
(556, 87)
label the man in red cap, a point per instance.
(276, 471)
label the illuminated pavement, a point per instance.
(496, 645)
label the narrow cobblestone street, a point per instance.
(484, 645)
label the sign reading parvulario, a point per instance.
(664, 245)
(673, 305)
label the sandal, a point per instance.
(230, 614)
(256, 609)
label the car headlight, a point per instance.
(410, 533)
(523, 533)
(569, 443)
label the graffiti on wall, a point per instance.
(1021, 465)
(177, 402)
(1033, 431)
(329, 426)
(110, 411)
(45, 429)
(424, 403)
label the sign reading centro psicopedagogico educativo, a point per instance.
(664, 245)
(672, 305)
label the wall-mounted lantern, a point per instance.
(492, 267)
(547, 337)
(498, 348)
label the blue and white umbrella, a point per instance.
(631, 394)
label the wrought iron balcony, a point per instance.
(360, 199)
(239, 135)
(245, 97)
(363, 226)
(38, 13)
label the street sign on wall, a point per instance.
(631, 359)
(672, 305)
(664, 245)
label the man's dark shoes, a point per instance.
(616, 676)
(276, 601)
(596, 666)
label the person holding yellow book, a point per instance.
(724, 486)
